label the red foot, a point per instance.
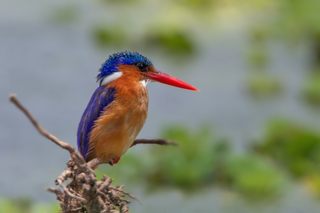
(114, 160)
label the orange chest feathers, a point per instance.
(118, 126)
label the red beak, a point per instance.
(170, 80)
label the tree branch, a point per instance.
(161, 142)
(77, 188)
(38, 127)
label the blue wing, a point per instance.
(100, 99)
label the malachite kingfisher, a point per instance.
(118, 108)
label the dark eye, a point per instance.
(142, 67)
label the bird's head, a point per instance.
(136, 67)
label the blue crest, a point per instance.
(122, 58)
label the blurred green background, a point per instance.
(249, 141)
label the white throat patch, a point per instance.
(144, 83)
(110, 78)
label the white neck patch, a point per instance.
(144, 83)
(110, 78)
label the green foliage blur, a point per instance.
(311, 89)
(254, 176)
(262, 85)
(24, 205)
(105, 36)
(293, 146)
(200, 159)
(192, 163)
(288, 149)
(173, 41)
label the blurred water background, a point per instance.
(256, 63)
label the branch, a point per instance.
(161, 142)
(38, 127)
(77, 188)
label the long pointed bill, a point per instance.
(170, 80)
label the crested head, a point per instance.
(111, 65)
(136, 68)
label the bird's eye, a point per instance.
(142, 67)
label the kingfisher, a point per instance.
(118, 108)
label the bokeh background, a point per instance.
(249, 141)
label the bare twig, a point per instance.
(123, 192)
(39, 128)
(153, 141)
(70, 194)
(78, 189)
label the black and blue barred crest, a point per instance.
(122, 58)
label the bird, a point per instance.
(118, 107)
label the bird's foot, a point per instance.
(114, 160)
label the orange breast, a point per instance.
(118, 126)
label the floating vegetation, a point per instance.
(254, 176)
(261, 84)
(189, 165)
(299, 16)
(105, 36)
(202, 159)
(258, 56)
(293, 146)
(25, 205)
(171, 40)
(199, 160)
(312, 182)
(296, 148)
(202, 5)
(311, 89)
